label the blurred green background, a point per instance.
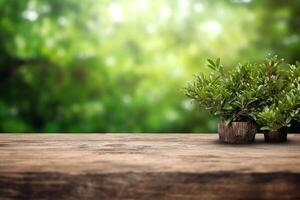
(120, 65)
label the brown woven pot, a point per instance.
(279, 135)
(237, 132)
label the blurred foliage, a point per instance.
(118, 66)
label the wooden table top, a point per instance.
(144, 166)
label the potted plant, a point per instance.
(233, 95)
(267, 94)
(284, 102)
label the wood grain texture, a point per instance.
(148, 166)
(276, 136)
(237, 132)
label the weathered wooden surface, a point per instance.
(148, 166)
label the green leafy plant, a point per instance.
(267, 93)
(234, 95)
(284, 104)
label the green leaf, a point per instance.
(218, 62)
(217, 112)
(211, 64)
(228, 121)
(259, 87)
(227, 107)
(264, 128)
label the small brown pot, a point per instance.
(279, 135)
(237, 132)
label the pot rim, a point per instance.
(246, 122)
(276, 132)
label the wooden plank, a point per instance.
(147, 166)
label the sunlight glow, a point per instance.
(212, 28)
(151, 28)
(187, 105)
(184, 9)
(115, 12)
(171, 115)
(290, 40)
(143, 4)
(198, 7)
(241, 1)
(110, 61)
(165, 12)
(63, 21)
(30, 14)
(127, 99)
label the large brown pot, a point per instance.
(237, 132)
(279, 135)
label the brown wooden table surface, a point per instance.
(146, 166)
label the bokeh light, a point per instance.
(121, 65)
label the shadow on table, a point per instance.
(259, 141)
